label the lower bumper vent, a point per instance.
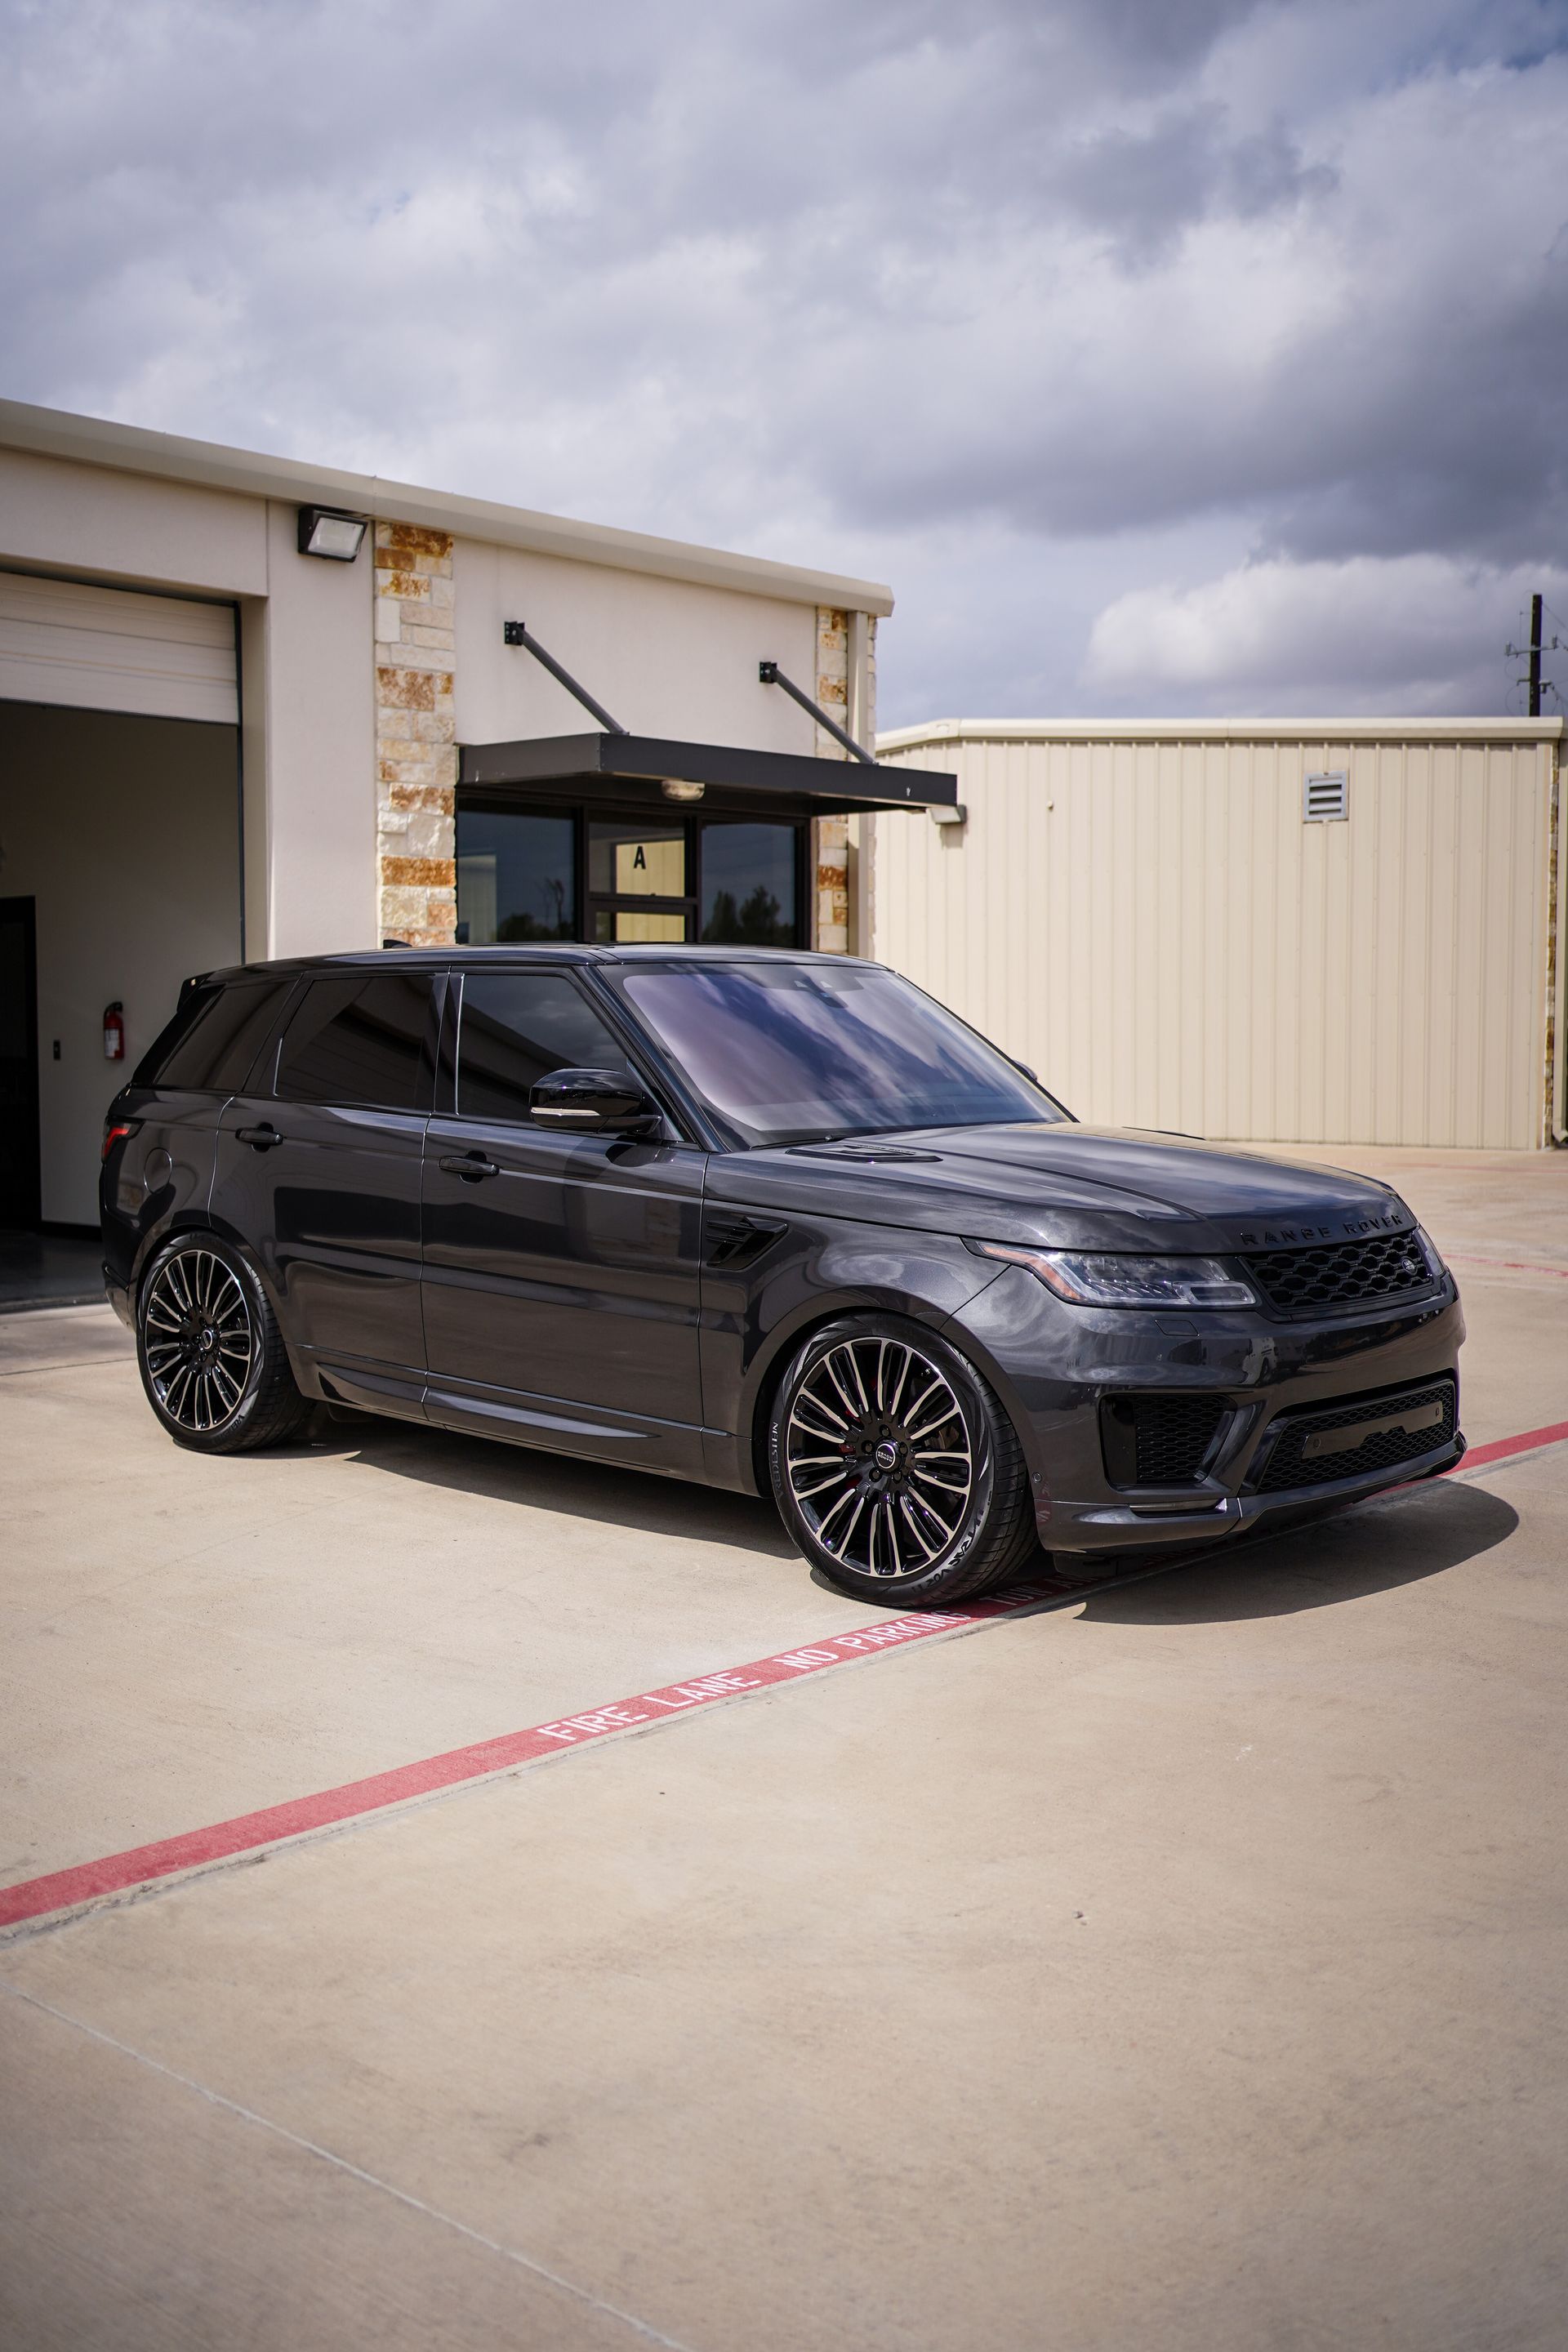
(1159, 1440)
(1314, 1448)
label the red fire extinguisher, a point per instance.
(115, 1032)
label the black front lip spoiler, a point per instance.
(1155, 1525)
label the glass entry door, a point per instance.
(566, 871)
(638, 881)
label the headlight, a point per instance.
(1096, 1279)
(1430, 1252)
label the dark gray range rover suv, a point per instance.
(757, 1219)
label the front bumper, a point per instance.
(1055, 1364)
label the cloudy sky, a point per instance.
(1166, 355)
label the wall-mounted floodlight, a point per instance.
(676, 788)
(324, 531)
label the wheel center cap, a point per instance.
(887, 1456)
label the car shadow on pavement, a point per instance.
(596, 1491)
(1376, 1546)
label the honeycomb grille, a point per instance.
(1160, 1441)
(1342, 1274)
(1288, 1465)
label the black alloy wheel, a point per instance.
(895, 1467)
(211, 1356)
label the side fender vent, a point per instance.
(737, 1241)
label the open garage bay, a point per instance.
(1180, 1962)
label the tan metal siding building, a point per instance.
(1145, 914)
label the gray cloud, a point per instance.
(1036, 310)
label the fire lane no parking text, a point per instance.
(37, 1902)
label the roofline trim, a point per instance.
(1425, 729)
(133, 449)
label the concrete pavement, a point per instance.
(1183, 1967)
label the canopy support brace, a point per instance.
(771, 675)
(515, 632)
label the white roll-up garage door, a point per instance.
(110, 649)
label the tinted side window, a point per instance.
(193, 1002)
(516, 1027)
(215, 1038)
(360, 1038)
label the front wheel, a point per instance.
(211, 1356)
(894, 1466)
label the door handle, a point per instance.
(261, 1139)
(470, 1167)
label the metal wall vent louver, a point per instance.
(1325, 797)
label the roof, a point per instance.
(1429, 727)
(553, 951)
(133, 450)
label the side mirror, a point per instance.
(594, 1102)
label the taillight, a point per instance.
(113, 1134)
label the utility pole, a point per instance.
(1530, 653)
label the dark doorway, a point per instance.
(18, 1063)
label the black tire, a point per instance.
(895, 1468)
(211, 1356)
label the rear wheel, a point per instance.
(895, 1467)
(212, 1358)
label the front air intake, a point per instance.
(1372, 1432)
(1159, 1440)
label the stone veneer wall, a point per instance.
(415, 735)
(831, 834)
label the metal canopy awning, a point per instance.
(637, 766)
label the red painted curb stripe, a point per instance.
(140, 1865)
(1511, 1265)
(1501, 1447)
(248, 1831)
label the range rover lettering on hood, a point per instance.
(1350, 1230)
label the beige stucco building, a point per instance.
(1331, 930)
(234, 724)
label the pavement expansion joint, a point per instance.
(580, 2294)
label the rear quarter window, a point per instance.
(212, 1043)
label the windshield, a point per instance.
(786, 1052)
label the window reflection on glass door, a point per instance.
(749, 885)
(517, 877)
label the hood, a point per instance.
(1067, 1187)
